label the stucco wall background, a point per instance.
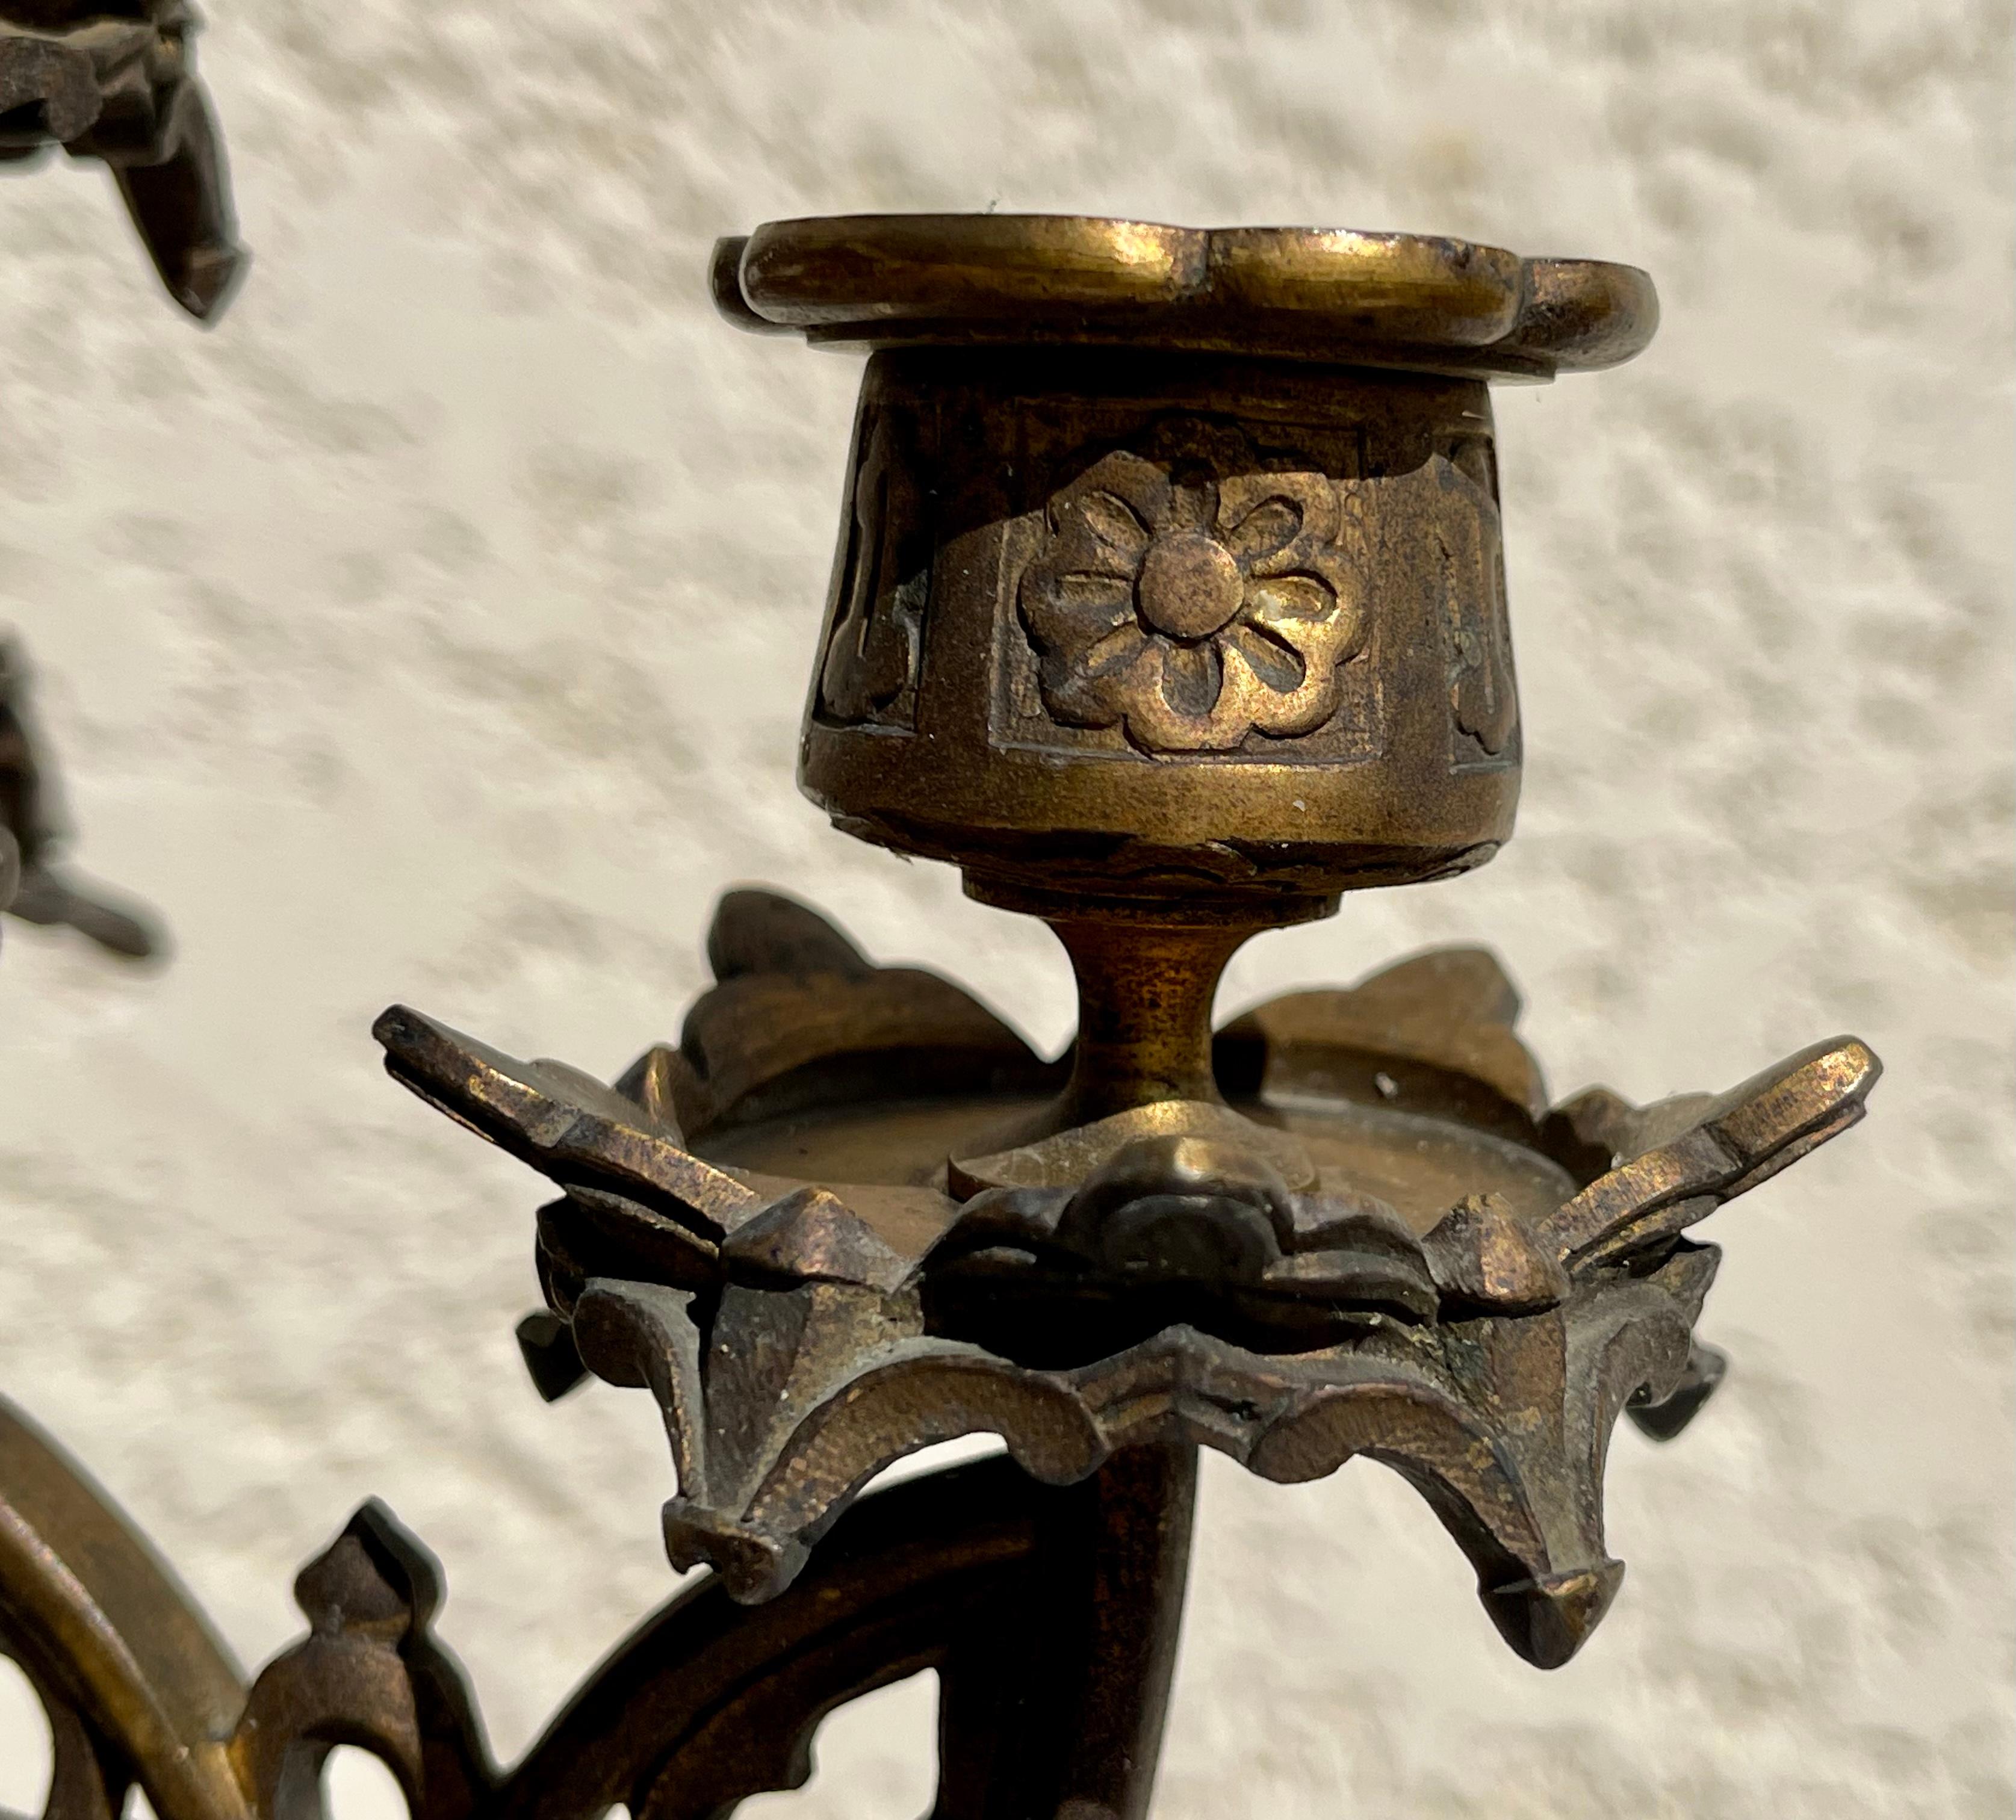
(436, 630)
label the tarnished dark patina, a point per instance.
(115, 81)
(1169, 605)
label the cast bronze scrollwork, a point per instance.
(1170, 606)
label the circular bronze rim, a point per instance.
(1408, 300)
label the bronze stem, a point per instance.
(1145, 992)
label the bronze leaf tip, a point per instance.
(1546, 1620)
(209, 279)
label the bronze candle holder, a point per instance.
(1169, 605)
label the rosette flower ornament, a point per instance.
(1190, 612)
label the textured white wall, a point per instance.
(407, 638)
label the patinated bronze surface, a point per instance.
(115, 79)
(1448, 1276)
(1169, 605)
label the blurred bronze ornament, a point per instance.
(115, 79)
(37, 882)
(1169, 605)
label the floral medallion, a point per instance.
(1193, 612)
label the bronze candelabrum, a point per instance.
(1169, 605)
